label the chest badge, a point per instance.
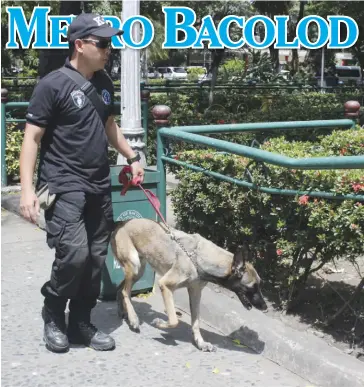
(78, 98)
(106, 97)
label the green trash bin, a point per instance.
(133, 205)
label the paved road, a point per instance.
(152, 357)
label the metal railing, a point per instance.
(193, 135)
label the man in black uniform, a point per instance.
(74, 167)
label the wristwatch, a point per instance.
(133, 159)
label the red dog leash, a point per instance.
(136, 181)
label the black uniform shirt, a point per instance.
(74, 148)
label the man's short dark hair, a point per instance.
(71, 49)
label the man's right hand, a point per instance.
(29, 205)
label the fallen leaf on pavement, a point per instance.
(237, 344)
(144, 296)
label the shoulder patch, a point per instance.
(106, 97)
(78, 98)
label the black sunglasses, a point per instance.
(99, 43)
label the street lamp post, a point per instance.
(130, 88)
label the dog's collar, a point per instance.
(201, 273)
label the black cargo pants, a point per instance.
(78, 227)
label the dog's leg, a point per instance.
(167, 284)
(120, 301)
(126, 301)
(194, 291)
(124, 298)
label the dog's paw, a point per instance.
(134, 324)
(206, 347)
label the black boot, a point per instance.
(81, 331)
(54, 320)
(55, 330)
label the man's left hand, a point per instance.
(137, 171)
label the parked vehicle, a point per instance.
(171, 72)
(341, 76)
(153, 73)
(349, 74)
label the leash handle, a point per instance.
(123, 179)
(136, 181)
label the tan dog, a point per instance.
(186, 261)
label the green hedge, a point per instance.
(291, 236)
(14, 139)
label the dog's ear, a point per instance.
(240, 257)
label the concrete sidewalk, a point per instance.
(302, 353)
(162, 358)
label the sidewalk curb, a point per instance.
(300, 352)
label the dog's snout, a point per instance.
(258, 302)
(263, 306)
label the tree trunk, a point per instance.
(188, 57)
(274, 57)
(217, 56)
